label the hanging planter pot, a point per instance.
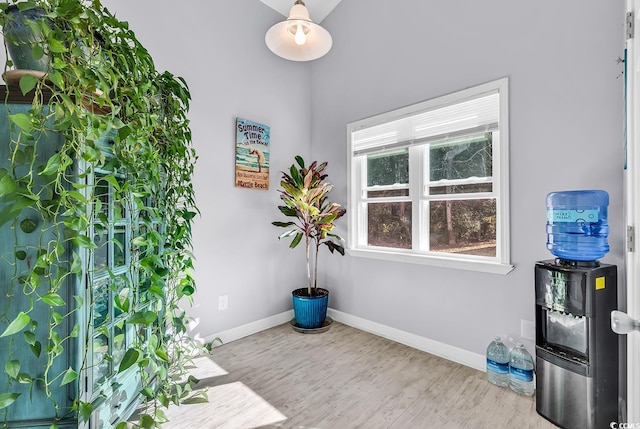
(25, 41)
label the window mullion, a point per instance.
(417, 172)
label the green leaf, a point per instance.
(129, 358)
(37, 51)
(85, 409)
(186, 290)
(148, 392)
(162, 355)
(76, 264)
(36, 348)
(143, 318)
(12, 368)
(296, 240)
(122, 300)
(53, 299)
(21, 255)
(69, 376)
(7, 185)
(56, 46)
(57, 79)
(53, 165)
(7, 399)
(27, 83)
(17, 324)
(29, 338)
(24, 378)
(75, 331)
(83, 241)
(28, 226)
(195, 400)
(147, 422)
(22, 120)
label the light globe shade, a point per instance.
(281, 40)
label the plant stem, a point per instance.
(308, 244)
(315, 266)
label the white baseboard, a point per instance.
(250, 328)
(437, 348)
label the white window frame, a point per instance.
(357, 216)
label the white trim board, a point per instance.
(250, 328)
(446, 351)
(452, 353)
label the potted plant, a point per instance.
(114, 113)
(305, 193)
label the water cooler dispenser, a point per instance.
(576, 349)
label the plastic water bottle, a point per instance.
(498, 363)
(521, 371)
(577, 226)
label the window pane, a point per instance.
(388, 193)
(461, 189)
(389, 224)
(388, 168)
(461, 160)
(463, 227)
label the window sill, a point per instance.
(444, 262)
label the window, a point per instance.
(428, 182)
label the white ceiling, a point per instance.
(318, 9)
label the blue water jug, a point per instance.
(577, 228)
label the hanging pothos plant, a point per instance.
(114, 113)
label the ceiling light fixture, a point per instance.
(298, 38)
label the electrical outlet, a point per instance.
(527, 330)
(223, 302)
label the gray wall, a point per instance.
(566, 133)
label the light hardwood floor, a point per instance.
(341, 379)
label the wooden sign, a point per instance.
(252, 154)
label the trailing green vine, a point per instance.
(121, 125)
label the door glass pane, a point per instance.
(143, 287)
(119, 344)
(100, 363)
(389, 224)
(101, 191)
(101, 304)
(120, 288)
(101, 253)
(119, 205)
(119, 248)
(463, 227)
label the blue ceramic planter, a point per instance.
(21, 38)
(310, 311)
